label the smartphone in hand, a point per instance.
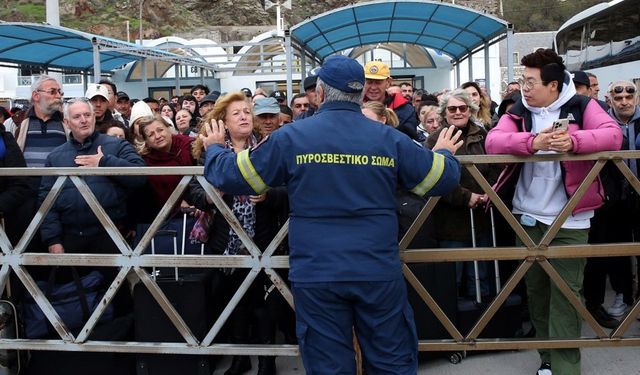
(561, 124)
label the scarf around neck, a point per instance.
(243, 210)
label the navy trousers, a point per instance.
(381, 315)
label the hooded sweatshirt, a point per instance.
(540, 190)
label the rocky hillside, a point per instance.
(226, 19)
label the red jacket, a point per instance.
(178, 155)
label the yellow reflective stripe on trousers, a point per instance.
(249, 172)
(437, 167)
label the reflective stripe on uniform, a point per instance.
(437, 167)
(249, 172)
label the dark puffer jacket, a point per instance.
(452, 215)
(406, 115)
(14, 190)
(71, 211)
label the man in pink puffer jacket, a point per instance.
(543, 188)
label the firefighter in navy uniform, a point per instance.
(341, 170)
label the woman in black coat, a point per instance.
(14, 190)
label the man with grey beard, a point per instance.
(42, 130)
(39, 133)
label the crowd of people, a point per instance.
(269, 137)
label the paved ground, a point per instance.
(618, 361)
(595, 361)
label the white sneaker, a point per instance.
(618, 308)
(545, 369)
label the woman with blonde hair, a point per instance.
(379, 112)
(429, 119)
(480, 99)
(260, 216)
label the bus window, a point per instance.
(571, 45)
(604, 39)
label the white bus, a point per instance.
(603, 40)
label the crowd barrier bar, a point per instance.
(132, 261)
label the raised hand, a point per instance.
(213, 133)
(449, 140)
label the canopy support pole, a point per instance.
(303, 69)
(96, 60)
(487, 71)
(509, 53)
(178, 71)
(470, 58)
(143, 72)
(289, 57)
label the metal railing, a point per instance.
(132, 260)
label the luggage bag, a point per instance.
(506, 323)
(190, 293)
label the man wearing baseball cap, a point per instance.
(267, 116)
(309, 86)
(280, 96)
(378, 80)
(582, 83)
(207, 103)
(98, 95)
(342, 171)
(123, 105)
(18, 113)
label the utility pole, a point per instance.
(278, 4)
(52, 11)
(140, 17)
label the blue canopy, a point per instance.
(68, 49)
(451, 29)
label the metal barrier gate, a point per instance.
(131, 260)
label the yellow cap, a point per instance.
(376, 70)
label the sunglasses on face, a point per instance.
(620, 89)
(453, 109)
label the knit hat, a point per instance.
(140, 109)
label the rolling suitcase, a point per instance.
(190, 294)
(507, 322)
(438, 278)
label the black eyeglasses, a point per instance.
(620, 89)
(453, 108)
(52, 91)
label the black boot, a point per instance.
(239, 365)
(266, 365)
